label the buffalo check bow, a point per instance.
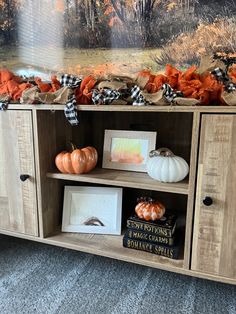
(70, 107)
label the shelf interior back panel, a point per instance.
(174, 130)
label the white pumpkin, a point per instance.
(164, 166)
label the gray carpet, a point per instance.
(36, 278)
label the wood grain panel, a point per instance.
(128, 108)
(191, 195)
(18, 203)
(124, 179)
(214, 245)
(111, 246)
(52, 134)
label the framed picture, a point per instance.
(92, 210)
(127, 150)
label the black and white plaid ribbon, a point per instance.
(220, 75)
(71, 112)
(230, 87)
(223, 77)
(3, 106)
(138, 98)
(105, 97)
(70, 108)
(226, 58)
(169, 93)
(70, 81)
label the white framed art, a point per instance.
(127, 150)
(92, 210)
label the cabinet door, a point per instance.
(214, 236)
(18, 205)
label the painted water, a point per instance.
(83, 61)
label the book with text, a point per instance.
(149, 237)
(162, 250)
(164, 227)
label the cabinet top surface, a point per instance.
(128, 108)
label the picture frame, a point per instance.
(127, 150)
(96, 210)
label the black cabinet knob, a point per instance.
(24, 177)
(208, 201)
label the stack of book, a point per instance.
(157, 237)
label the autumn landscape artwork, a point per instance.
(126, 150)
(112, 36)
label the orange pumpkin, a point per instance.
(84, 160)
(150, 210)
(63, 162)
(78, 161)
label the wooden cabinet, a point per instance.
(18, 202)
(214, 234)
(31, 136)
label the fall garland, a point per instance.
(206, 87)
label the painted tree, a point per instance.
(138, 16)
(8, 20)
(144, 13)
(182, 6)
(144, 17)
(83, 21)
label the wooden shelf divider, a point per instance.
(124, 179)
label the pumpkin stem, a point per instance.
(146, 199)
(73, 147)
(166, 152)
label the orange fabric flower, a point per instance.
(5, 76)
(21, 87)
(84, 92)
(232, 73)
(11, 85)
(172, 75)
(159, 80)
(204, 96)
(151, 88)
(55, 83)
(3, 89)
(189, 74)
(43, 87)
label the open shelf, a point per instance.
(124, 179)
(111, 246)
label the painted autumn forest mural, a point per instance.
(99, 36)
